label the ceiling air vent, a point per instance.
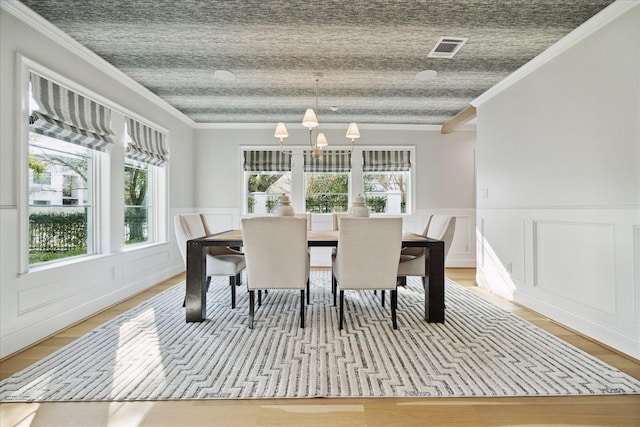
(446, 47)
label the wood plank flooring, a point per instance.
(556, 411)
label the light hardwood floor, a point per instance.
(547, 411)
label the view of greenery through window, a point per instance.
(327, 192)
(386, 191)
(137, 202)
(263, 190)
(60, 199)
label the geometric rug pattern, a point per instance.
(151, 353)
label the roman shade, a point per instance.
(386, 161)
(66, 115)
(267, 161)
(147, 145)
(330, 161)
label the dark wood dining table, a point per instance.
(196, 296)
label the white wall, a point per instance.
(37, 304)
(558, 178)
(444, 168)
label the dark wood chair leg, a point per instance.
(239, 279)
(302, 308)
(232, 285)
(260, 298)
(251, 308)
(206, 286)
(394, 308)
(402, 281)
(334, 285)
(341, 308)
(308, 293)
(382, 292)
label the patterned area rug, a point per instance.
(150, 352)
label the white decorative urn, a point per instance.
(358, 209)
(283, 207)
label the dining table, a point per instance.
(196, 290)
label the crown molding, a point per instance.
(340, 126)
(596, 22)
(40, 24)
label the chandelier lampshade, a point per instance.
(321, 141)
(353, 132)
(310, 120)
(281, 131)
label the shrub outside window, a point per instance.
(61, 206)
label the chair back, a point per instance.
(187, 227)
(275, 250)
(443, 228)
(336, 220)
(306, 216)
(368, 253)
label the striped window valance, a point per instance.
(330, 161)
(267, 161)
(147, 145)
(66, 115)
(386, 161)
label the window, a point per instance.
(267, 175)
(327, 182)
(386, 180)
(137, 202)
(145, 153)
(67, 134)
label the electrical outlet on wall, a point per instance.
(484, 193)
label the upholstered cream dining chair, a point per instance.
(367, 258)
(277, 258)
(221, 261)
(412, 262)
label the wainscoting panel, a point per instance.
(581, 266)
(561, 244)
(144, 264)
(46, 293)
(503, 246)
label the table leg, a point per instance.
(434, 283)
(196, 298)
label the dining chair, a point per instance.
(336, 219)
(275, 249)
(412, 262)
(367, 258)
(306, 216)
(221, 261)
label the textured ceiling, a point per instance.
(368, 51)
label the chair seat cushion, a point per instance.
(225, 265)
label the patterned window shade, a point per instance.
(386, 161)
(65, 115)
(147, 145)
(330, 161)
(267, 161)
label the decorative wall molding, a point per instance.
(589, 249)
(597, 250)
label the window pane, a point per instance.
(386, 192)
(137, 201)
(263, 190)
(326, 192)
(60, 199)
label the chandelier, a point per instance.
(310, 121)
